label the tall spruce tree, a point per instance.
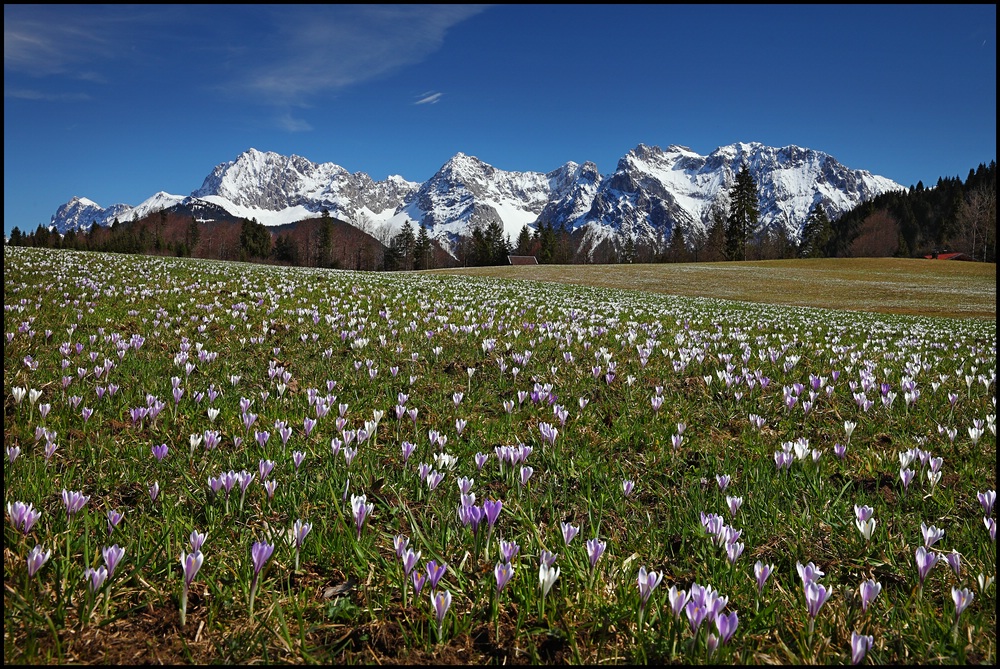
(524, 241)
(744, 215)
(404, 243)
(324, 247)
(816, 233)
(422, 250)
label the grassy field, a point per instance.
(885, 285)
(211, 462)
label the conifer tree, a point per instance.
(524, 241)
(193, 234)
(404, 243)
(816, 233)
(422, 250)
(325, 242)
(715, 242)
(677, 250)
(744, 215)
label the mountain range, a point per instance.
(651, 191)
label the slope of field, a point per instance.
(883, 285)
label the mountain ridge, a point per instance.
(651, 191)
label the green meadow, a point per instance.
(788, 462)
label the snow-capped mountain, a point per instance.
(261, 184)
(652, 191)
(466, 192)
(80, 213)
(655, 189)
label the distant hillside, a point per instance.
(952, 215)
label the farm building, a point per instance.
(949, 256)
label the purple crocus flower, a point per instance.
(434, 479)
(677, 599)
(503, 573)
(300, 530)
(809, 573)
(260, 553)
(196, 540)
(860, 644)
(723, 481)
(727, 626)
(931, 534)
(962, 598)
(869, 590)
(627, 487)
(442, 602)
(74, 501)
(481, 459)
(547, 558)
(360, 510)
(154, 491)
(647, 582)
(399, 543)
(407, 448)
(986, 500)
(190, 564)
(509, 550)
(761, 572)
(435, 572)
(297, 458)
(410, 559)
(469, 514)
(112, 556)
(418, 579)
(816, 596)
(95, 578)
(526, 472)
(160, 452)
(36, 558)
(595, 549)
(492, 508)
(695, 611)
(114, 518)
(349, 454)
(954, 559)
(22, 516)
(569, 532)
(245, 479)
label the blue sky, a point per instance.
(115, 103)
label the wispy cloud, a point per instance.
(428, 98)
(293, 124)
(33, 94)
(65, 45)
(321, 50)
